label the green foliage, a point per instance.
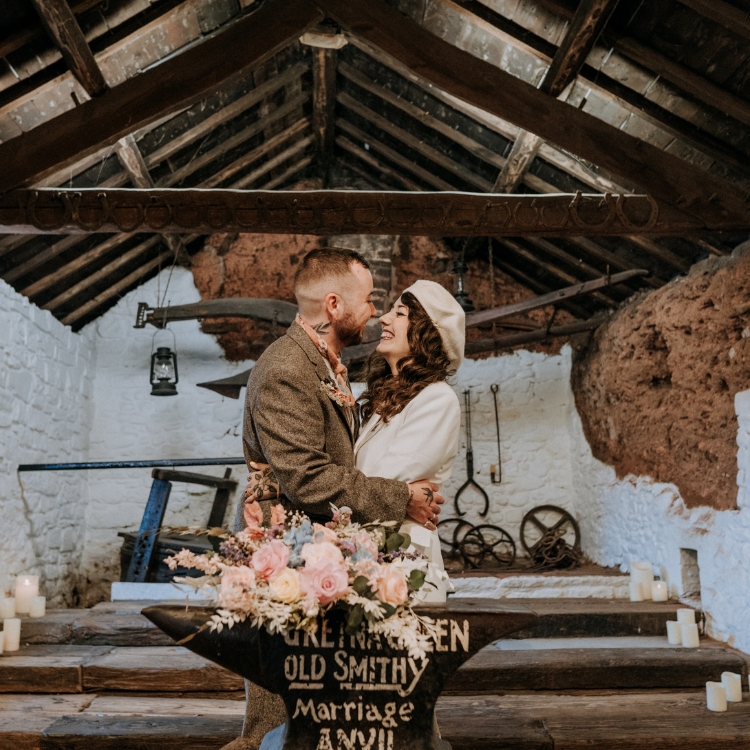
(416, 579)
(354, 620)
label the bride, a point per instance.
(412, 416)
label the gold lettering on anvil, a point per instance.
(459, 634)
(305, 709)
(417, 674)
(441, 631)
(324, 740)
(399, 670)
(330, 711)
(405, 710)
(295, 670)
(290, 668)
(292, 639)
(340, 659)
(326, 631)
(308, 637)
(349, 742)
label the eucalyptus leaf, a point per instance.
(416, 579)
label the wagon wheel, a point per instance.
(488, 542)
(450, 533)
(549, 519)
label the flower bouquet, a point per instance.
(286, 576)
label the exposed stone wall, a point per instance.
(655, 386)
(129, 423)
(45, 407)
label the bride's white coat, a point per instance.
(421, 442)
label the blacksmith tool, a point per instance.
(495, 388)
(470, 481)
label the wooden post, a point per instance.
(324, 102)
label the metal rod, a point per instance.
(134, 464)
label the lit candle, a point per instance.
(732, 683)
(686, 616)
(12, 634)
(27, 587)
(690, 637)
(659, 592)
(643, 573)
(636, 591)
(674, 633)
(7, 607)
(38, 606)
(716, 697)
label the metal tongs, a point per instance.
(470, 481)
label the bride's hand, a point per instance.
(424, 503)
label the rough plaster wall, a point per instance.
(533, 404)
(655, 385)
(45, 404)
(128, 423)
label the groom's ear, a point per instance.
(333, 303)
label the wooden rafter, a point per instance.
(63, 29)
(666, 177)
(175, 83)
(587, 24)
(728, 15)
(324, 102)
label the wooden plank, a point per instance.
(110, 629)
(171, 475)
(369, 159)
(720, 11)
(55, 627)
(40, 258)
(170, 669)
(660, 252)
(274, 162)
(61, 25)
(324, 101)
(524, 151)
(158, 705)
(287, 174)
(493, 670)
(23, 718)
(46, 669)
(175, 83)
(87, 732)
(666, 177)
(614, 260)
(412, 142)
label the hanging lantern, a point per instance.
(461, 294)
(164, 377)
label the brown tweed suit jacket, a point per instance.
(292, 424)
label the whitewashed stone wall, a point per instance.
(129, 423)
(45, 408)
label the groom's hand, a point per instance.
(424, 503)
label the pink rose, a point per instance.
(270, 559)
(278, 515)
(237, 585)
(253, 513)
(392, 588)
(312, 553)
(325, 580)
(324, 534)
(364, 540)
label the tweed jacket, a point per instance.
(292, 424)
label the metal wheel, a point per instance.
(549, 519)
(488, 543)
(450, 533)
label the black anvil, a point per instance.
(345, 692)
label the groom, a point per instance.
(300, 417)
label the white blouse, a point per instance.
(421, 442)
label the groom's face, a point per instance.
(357, 307)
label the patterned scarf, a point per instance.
(344, 395)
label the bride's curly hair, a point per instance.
(426, 363)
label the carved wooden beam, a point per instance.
(330, 212)
(668, 178)
(175, 83)
(62, 27)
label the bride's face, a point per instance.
(394, 341)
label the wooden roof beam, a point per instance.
(175, 83)
(62, 27)
(325, 62)
(666, 177)
(719, 11)
(587, 24)
(615, 261)
(346, 145)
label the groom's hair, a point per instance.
(322, 265)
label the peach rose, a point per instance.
(313, 552)
(392, 588)
(253, 513)
(324, 534)
(278, 515)
(270, 559)
(285, 587)
(325, 580)
(237, 585)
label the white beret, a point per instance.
(447, 316)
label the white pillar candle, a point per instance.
(732, 683)
(12, 634)
(2, 638)
(686, 616)
(27, 587)
(38, 606)
(690, 637)
(636, 591)
(716, 697)
(7, 607)
(659, 592)
(643, 573)
(674, 633)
